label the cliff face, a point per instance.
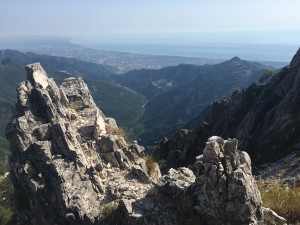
(70, 166)
(264, 118)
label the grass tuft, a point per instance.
(284, 199)
(151, 162)
(116, 131)
(108, 210)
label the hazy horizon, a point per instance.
(192, 48)
(144, 26)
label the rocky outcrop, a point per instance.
(264, 118)
(68, 167)
(222, 192)
(272, 218)
(225, 189)
(64, 158)
(287, 170)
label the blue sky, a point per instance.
(156, 19)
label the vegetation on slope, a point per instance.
(170, 110)
(153, 82)
(267, 75)
(283, 198)
(11, 73)
(6, 192)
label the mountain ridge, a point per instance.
(170, 110)
(264, 117)
(57, 63)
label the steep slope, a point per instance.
(169, 111)
(264, 118)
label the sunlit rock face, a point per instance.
(225, 188)
(64, 151)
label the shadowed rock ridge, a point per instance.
(264, 118)
(69, 167)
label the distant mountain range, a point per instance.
(180, 93)
(70, 66)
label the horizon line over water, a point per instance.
(264, 45)
(261, 52)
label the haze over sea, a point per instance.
(261, 52)
(276, 45)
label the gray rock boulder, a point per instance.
(225, 189)
(272, 218)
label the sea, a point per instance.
(278, 45)
(263, 52)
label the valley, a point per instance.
(154, 102)
(178, 94)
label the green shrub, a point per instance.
(3, 169)
(6, 215)
(267, 74)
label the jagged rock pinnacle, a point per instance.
(36, 74)
(63, 148)
(226, 190)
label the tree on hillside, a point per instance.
(266, 75)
